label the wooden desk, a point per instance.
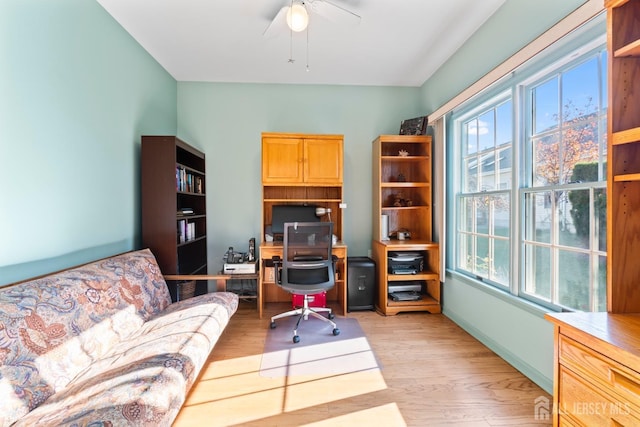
(596, 369)
(269, 291)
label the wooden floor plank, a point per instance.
(432, 374)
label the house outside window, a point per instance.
(529, 161)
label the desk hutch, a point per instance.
(301, 169)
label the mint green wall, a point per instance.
(513, 329)
(226, 121)
(76, 93)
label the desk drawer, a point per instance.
(582, 402)
(601, 370)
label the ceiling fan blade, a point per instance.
(334, 13)
(278, 24)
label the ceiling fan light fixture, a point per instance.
(297, 17)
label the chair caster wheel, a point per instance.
(331, 316)
(296, 339)
(336, 331)
(272, 325)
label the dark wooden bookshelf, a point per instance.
(166, 162)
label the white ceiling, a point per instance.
(395, 43)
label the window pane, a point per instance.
(538, 271)
(580, 91)
(488, 172)
(601, 291)
(486, 131)
(573, 280)
(538, 217)
(501, 215)
(546, 156)
(482, 215)
(471, 133)
(600, 207)
(579, 150)
(482, 256)
(465, 260)
(501, 260)
(545, 106)
(574, 213)
(470, 175)
(504, 127)
(504, 168)
(466, 214)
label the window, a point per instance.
(529, 161)
(483, 202)
(564, 199)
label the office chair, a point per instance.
(306, 268)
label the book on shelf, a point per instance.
(185, 211)
(188, 182)
(186, 231)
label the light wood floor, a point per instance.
(432, 374)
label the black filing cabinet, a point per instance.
(361, 283)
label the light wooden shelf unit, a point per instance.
(402, 191)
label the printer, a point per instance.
(405, 262)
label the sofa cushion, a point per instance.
(143, 380)
(54, 327)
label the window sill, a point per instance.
(530, 307)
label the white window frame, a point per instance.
(508, 86)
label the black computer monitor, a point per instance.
(280, 214)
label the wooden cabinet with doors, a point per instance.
(402, 194)
(302, 159)
(597, 356)
(299, 169)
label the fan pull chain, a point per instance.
(307, 48)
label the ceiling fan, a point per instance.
(295, 14)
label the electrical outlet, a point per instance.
(343, 206)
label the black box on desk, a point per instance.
(361, 283)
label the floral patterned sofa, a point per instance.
(102, 345)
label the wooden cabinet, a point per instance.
(623, 123)
(302, 159)
(173, 181)
(300, 169)
(597, 369)
(428, 277)
(402, 193)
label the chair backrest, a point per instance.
(307, 264)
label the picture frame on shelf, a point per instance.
(415, 126)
